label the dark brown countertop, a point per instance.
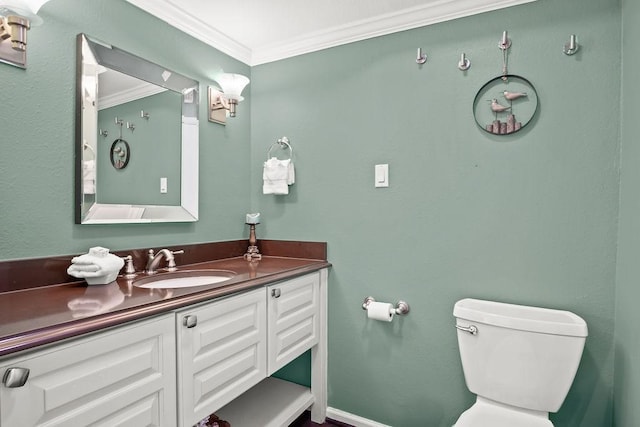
(43, 315)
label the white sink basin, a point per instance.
(185, 279)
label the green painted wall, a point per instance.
(155, 151)
(627, 339)
(37, 124)
(528, 219)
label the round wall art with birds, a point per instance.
(505, 105)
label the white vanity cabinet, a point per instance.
(120, 377)
(293, 319)
(222, 352)
(179, 367)
(296, 322)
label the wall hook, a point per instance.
(464, 64)
(572, 46)
(421, 58)
(119, 122)
(505, 41)
(104, 133)
(131, 126)
(144, 115)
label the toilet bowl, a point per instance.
(520, 361)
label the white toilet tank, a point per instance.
(521, 356)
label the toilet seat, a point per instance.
(486, 412)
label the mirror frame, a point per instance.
(119, 60)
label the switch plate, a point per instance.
(382, 175)
(163, 185)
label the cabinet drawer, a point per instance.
(294, 311)
(123, 377)
(222, 355)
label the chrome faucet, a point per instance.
(154, 260)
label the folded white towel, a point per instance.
(95, 253)
(89, 186)
(96, 267)
(277, 175)
(89, 177)
(89, 169)
(86, 267)
(291, 175)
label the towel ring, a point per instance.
(284, 144)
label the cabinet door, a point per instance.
(294, 311)
(221, 353)
(121, 377)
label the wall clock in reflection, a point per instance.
(505, 105)
(120, 153)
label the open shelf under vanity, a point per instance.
(271, 403)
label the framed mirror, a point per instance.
(136, 158)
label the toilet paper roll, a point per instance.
(380, 311)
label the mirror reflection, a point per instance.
(137, 139)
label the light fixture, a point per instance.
(226, 98)
(16, 17)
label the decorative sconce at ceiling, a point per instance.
(16, 17)
(227, 98)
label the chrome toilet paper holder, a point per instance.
(402, 307)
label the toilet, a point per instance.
(520, 361)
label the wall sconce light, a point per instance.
(227, 98)
(16, 17)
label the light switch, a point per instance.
(163, 185)
(382, 175)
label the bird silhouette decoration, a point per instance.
(496, 107)
(511, 96)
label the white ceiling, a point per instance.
(261, 31)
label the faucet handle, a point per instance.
(171, 262)
(150, 255)
(130, 269)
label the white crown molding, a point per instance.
(130, 94)
(428, 14)
(420, 16)
(187, 23)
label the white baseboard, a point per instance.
(354, 420)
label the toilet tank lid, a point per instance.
(521, 317)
